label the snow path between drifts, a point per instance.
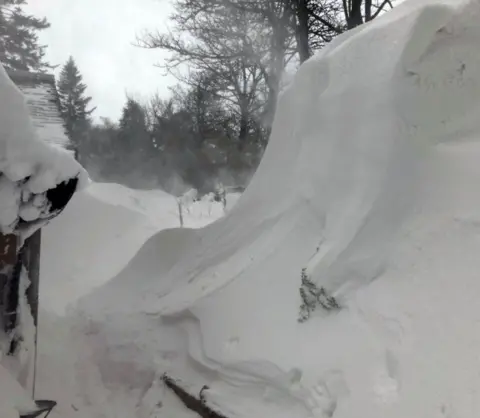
(375, 163)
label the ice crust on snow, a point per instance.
(370, 182)
(28, 166)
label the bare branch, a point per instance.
(381, 7)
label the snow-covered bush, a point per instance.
(313, 296)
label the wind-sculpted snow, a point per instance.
(106, 225)
(371, 184)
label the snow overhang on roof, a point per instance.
(41, 96)
(35, 167)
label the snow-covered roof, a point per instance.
(42, 100)
(33, 160)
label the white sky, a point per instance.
(99, 35)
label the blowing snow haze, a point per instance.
(252, 243)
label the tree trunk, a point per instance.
(368, 10)
(301, 30)
(243, 133)
(354, 17)
(274, 79)
(277, 62)
(271, 105)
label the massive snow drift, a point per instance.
(370, 183)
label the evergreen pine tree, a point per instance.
(134, 135)
(134, 146)
(74, 103)
(19, 47)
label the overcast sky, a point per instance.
(99, 35)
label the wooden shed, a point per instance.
(42, 101)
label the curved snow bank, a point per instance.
(159, 254)
(370, 183)
(28, 166)
(155, 204)
(105, 225)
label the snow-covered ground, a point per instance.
(370, 184)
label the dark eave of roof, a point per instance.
(18, 76)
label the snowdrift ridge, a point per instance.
(370, 183)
